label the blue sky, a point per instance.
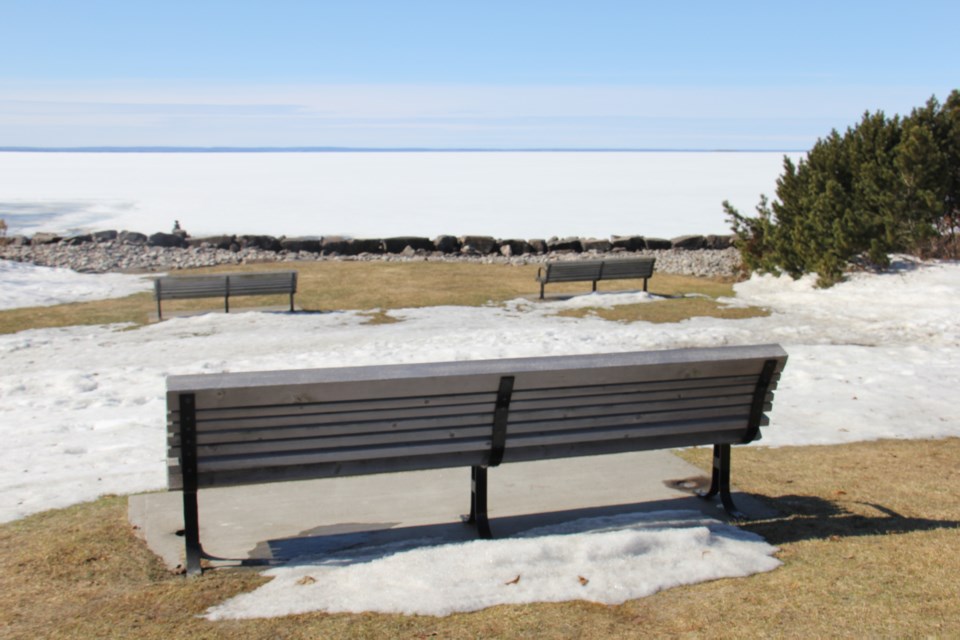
(449, 74)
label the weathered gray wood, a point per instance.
(596, 270)
(225, 285)
(426, 381)
(322, 422)
(293, 425)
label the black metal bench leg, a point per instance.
(188, 468)
(191, 533)
(720, 481)
(478, 502)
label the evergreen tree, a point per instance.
(886, 185)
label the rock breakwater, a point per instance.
(110, 251)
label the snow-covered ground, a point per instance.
(27, 286)
(82, 414)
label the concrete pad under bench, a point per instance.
(276, 522)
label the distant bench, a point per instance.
(595, 270)
(245, 428)
(224, 285)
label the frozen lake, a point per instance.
(380, 194)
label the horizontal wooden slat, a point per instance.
(364, 453)
(327, 385)
(687, 388)
(280, 427)
(355, 419)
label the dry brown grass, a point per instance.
(671, 310)
(867, 540)
(363, 286)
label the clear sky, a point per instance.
(453, 73)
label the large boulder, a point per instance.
(478, 244)
(564, 245)
(80, 239)
(628, 243)
(596, 244)
(105, 236)
(296, 245)
(689, 243)
(217, 242)
(365, 245)
(397, 245)
(538, 245)
(132, 237)
(264, 243)
(510, 248)
(168, 240)
(45, 237)
(339, 245)
(654, 244)
(447, 244)
(718, 243)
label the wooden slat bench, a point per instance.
(596, 270)
(224, 285)
(246, 428)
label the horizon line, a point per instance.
(333, 149)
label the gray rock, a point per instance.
(515, 247)
(104, 236)
(719, 243)
(628, 243)
(565, 244)
(334, 244)
(483, 245)
(654, 244)
(538, 245)
(80, 239)
(266, 243)
(397, 245)
(44, 237)
(689, 243)
(217, 242)
(596, 244)
(364, 245)
(132, 237)
(166, 240)
(310, 245)
(446, 244)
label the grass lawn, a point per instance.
(867, 540)
(366, 286)
(867, 530)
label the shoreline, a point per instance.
(127, 252)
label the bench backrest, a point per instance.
(581, 270)
(574, 271)
(225, 284)
(632, 268)
(280, 425)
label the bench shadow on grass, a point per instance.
(779, 520)
(347, 543)
(814, 518)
